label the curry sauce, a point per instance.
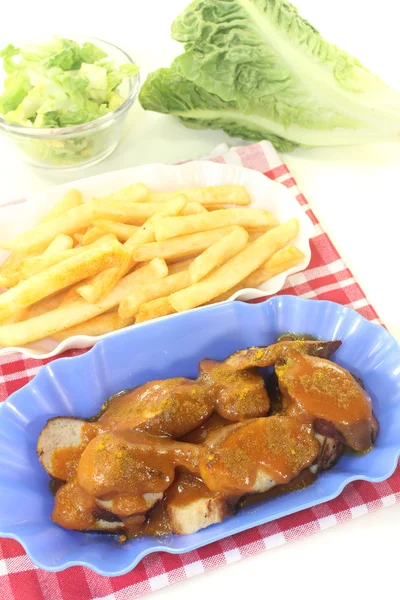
(172, 455)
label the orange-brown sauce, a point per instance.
(65, 460)
(303, 480)
(128, 462)
(130, 451)
(187, 488)
(170, 407)
(317, 388)
(278, 446)
(198, 435)
(73, 508)
(238, 395)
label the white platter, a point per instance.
(264, 192)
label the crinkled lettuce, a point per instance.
(258, 70)
(59, 83)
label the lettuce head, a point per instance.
(258, 70)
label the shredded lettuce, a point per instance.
(258, 70)
(59, 83)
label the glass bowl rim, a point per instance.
(59, 132)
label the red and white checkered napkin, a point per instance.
(326, 278)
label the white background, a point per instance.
(354, 192)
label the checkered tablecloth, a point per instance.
(326, 278)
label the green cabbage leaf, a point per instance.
(258, 70)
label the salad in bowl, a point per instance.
(65, 101)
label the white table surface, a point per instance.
(355, 193)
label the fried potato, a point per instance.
(154, 309)
(212, 207)
(250, 218)
(193, 208)
(59, 319)
(123, 231)
(219, 194)
(146, 233)
(70, 295)
(254, 235)
(282, 261)
(58, 277)
(59, 244)
(8, 270)
(162, 287)
(180, 265)
(43, 306)
(236, 269)
(218, 253)
(68, 223)
(137, 192)
(35, 264)
(72, 199)
(7, 282)
(180, 247)
(133, 213)
(212, 245)
(102, 283)
(91, 235)
(79, 236)
(105, 323)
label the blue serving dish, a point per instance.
(170, 347)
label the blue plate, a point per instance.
(171, 347)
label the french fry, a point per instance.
(180, 247)
(91, 235)
(146, 233)
(212, 207)
(154, 309)
(36, 264)
(193, 208)
(7, 282)
(218, 253)
(123, 231)
(11, 269)
(70, 295)
(250, 218)
(59, 244)
(180, 265)
(137, 192)
(79, 236)
(58, 277)
(72, 199)
(219, 194)
(102, 283)
(20, 315)
(162, 287)
(68, 223)
(133, 213)
(43, 306)
(59, 319)
(8, 274)
(105, 323)
(254, 235)
(236, 269)
(281, 261)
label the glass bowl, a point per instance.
(79, 145)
